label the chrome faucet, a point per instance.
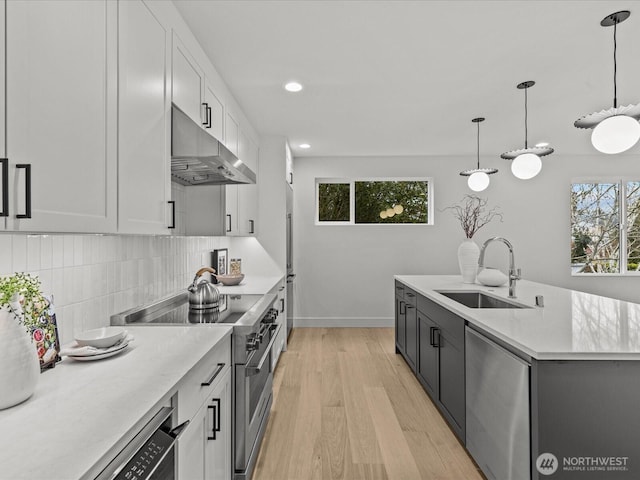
(514, 273)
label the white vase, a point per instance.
(20, 367)
(468, 254)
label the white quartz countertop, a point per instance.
(572, 325)
(251, 284)
(81, 410)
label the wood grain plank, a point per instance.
(397, 456)
(346, 407)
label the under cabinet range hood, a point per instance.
(199, 159)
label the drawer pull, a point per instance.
(215, 374)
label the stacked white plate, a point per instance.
(99, 343)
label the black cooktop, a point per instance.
(230, 308)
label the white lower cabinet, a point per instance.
(204, 451)
(204, 398)
(280, 344)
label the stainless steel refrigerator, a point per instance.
(290, 273)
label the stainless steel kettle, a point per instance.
(203, 294)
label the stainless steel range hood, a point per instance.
(199, 159)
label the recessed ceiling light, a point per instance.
(293, 87)
(304, 145)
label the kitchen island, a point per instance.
(535, 391)
(83, 413)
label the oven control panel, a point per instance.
(147, 459)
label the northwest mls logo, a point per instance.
(547, 463)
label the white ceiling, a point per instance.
(406, 77)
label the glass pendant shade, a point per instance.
(478, 181)
(478, 177)
(616, 134)
(615, 130)
(526, 161)
(526, 166)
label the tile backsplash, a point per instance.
(95, 276)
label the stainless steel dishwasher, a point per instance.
(497, 401)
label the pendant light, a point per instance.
(478, 177)
(526, 161)
(617, 129)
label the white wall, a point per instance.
(345, 273)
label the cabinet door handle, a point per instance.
(206, 115)
(5, 187)
(290, 178)
(431, 329)
(27, 190)
(401, 304)
(436, 338)
(251, 226)
(228, 222)
(209, 115)
(281, 305)
(409, 306)
(216, 418)
(213, 377)
(173, 213)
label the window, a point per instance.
(374, 201)
(605, 227)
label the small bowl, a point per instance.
(492, 277)
(103, 337)
(230, 279)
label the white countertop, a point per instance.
(251, 284)
(572, 325)
(81, 410)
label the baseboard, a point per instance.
(360, 322)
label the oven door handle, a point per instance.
(250, 371)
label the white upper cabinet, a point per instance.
(214, 114)
(144, 122)
(61, 123)
(187, 82)
(231, 133)
(242, 200)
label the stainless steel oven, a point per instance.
(150, 455)
(253, 395)
(254, 333)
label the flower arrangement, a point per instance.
(472, 213)
(20, 294)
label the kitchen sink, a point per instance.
(477, 299)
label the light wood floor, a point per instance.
(347, 407)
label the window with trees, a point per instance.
(374, 201)
(605, 227)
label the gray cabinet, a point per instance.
(406, 324)
(431, 340)
(428, 356)
(411, 329)
(401, 321)
(441, 361)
